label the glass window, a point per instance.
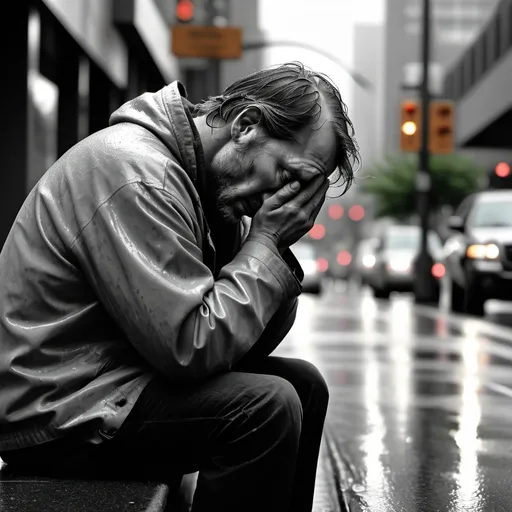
(493, 214)
(410, 240)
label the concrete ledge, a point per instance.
(34, 493)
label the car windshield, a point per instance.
(493, 214)
(410, 240)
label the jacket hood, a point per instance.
(166, 114)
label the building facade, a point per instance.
(67, 66)
(480, 82)
(454, 25)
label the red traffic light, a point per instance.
(184, 10)
(322, 265)
(409, 107)
(344, 258)
(502, 170)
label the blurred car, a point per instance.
(340, 259)
(395, 253)
(306, 256)
(478, 257)
(364, 260)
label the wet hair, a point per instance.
(289, 98)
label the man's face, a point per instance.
(243, 179)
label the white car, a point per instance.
(364, 261)
(395, 254)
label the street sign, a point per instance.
(207, 41)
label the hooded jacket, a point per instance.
(108, 277)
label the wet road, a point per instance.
(420, 417)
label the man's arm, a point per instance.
(142, 257)
(282, 321)
(274, 333)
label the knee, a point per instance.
(277, 404)
(313, 383)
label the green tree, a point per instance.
(392, 183)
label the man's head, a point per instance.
(264, 126)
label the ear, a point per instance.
(246, 126)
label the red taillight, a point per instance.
(317, 232)
(344, 258)
(322, 264)
(438, 270)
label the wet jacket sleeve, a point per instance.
(274, 332)
(281, 322)
(142, 255)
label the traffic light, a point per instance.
(441, 128)
(184, 11)
(502, 170)
(410, 126)
(500, 176)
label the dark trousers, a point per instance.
(253, 434)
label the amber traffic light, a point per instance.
(442, 125)
(410, 126)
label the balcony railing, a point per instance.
(484, 52)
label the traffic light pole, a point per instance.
(424, 283)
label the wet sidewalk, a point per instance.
(420, 416)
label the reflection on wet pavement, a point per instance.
(420, 417)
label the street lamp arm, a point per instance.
(360, 80)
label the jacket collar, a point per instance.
(185, 131)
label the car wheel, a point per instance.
(456, 297)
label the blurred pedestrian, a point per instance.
(138, 311)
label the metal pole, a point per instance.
(424, 283)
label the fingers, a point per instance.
(283, 195)
(304, 169)
(316, 187)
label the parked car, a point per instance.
(306, 255)
(396, 250)
(478, 257)
(364, 260)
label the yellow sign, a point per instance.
(207, 42)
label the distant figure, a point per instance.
(139, 306)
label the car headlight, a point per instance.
(369, 260)
(483, 252)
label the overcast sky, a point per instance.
(327, 24)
